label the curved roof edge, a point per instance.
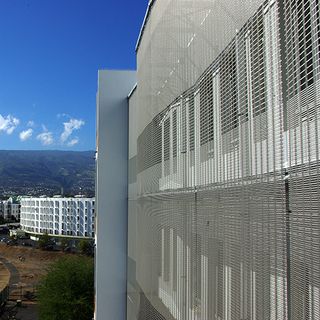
(145, 20)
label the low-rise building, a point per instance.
(17, 233)
(58, 216)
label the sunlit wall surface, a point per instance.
(224, 157)
(112, 193)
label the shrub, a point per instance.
(67, 291)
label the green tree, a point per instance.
(44, 241)
(64, 243)
(67, 291)
(86, 247)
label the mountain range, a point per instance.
(47, 173)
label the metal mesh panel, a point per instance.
(302, 71)
(225, 224)
(180, 33)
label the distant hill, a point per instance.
(46, 172)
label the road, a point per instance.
(14, 273)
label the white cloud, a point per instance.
(8, 123)
(26, 134)
(45, 138)
(73, 142)
(63, 115)
(69, 127)
(30, 124)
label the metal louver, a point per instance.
(224, 215)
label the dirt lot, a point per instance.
(28, 265)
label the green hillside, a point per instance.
(46, 172)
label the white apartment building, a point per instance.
(10, 208)
(58, 216)
(15, 210)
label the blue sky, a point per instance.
(50, 52)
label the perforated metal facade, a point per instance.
(224, 157)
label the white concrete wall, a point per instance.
(112, 193)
